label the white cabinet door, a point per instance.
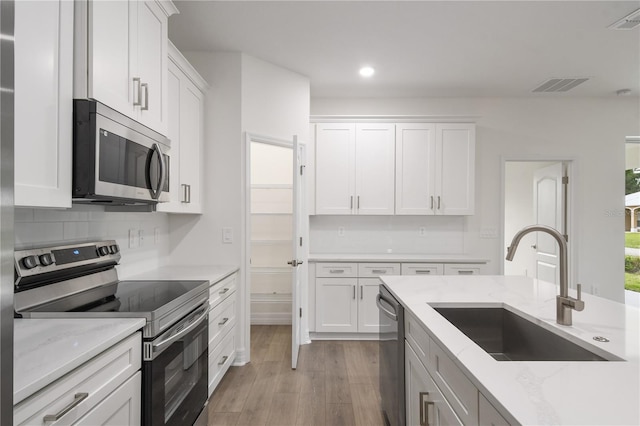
(336, 305)
(121, 408)
(111, 54)
(335, 168)
(43, 103)
(462, 269)
(375, 169)
(415, 169)
(425, 404)
(455, 168)
(368, 312)
(151, 58)
(488, 415)
(422, 269)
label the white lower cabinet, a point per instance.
(425, 404)
(222, 328)
(346, 296)
(443, 268)
(103, 391)
(437, 392)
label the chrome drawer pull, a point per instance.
(424, 408)
(224, 359)
(461, 272)
(223, 291)
(378, 271)
(423, 271)
(336, 271)
(77, 399)
(224, 321)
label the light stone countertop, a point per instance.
(542, 392)
(394, 257)
(46, 349)
(211, 273)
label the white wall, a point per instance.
(40, 227)
(245, 95)
(590, 130)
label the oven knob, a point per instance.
(30, 262)
(46, 259)
(103, 251)
(114, 249)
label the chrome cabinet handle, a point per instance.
(354, 292)
(136, 82)
(378, 271)
(424, 408)
(423, 271)
(432, 202)
(184, 193)
(361, 292)
(351, 203)
(224, 359)
(77, 399)
(462, 272)
(336, 271)
(358, 203)
(223, 291)
(224, 321)
(438, 202)
(189, 194)
(145, 107)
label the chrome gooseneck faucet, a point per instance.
(564, 303)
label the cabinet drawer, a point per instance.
(372, 270)
(422, 269)
(336, 270)
(462, 269)
(122, 407)
(416, 336)
(459, 391)
(222, 289)
(220, 358)
(488, 415)
(221, 319)
(98, 378)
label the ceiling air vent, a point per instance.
(559, 85)
(629, 22)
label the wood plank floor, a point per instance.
(335, 384)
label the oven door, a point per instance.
(175, 372)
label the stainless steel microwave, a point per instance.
(116, 160)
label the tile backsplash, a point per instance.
(41, 227)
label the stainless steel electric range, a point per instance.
(80, 281)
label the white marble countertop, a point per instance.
(211, 273)
(394, 257)
(46, 349)
(542, 392)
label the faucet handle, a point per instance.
(579, 304)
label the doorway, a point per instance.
(276, 234)
(537, 192)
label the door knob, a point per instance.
(533, 246)
(295, 262)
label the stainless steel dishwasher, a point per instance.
(391, 349)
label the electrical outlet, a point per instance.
(422, 231)
(141, 237)
(489, 233)
(340, 231)
(133, 238)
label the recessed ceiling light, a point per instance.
(367, 71)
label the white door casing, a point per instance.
(548, 204)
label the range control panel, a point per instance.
(43, 260)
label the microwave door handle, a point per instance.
(155, 192)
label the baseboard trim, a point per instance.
(343, 336)
(271, 318)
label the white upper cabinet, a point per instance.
(355, 168)
(43, 103)
(435, 169)
(186, 119)
(121, 57)
(455, 168)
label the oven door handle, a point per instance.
(159, 347)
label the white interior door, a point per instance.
(548, 205)
(300, 236)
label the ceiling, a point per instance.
(425, 48)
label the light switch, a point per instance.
(340, 231)
(227, 235)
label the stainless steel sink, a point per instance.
(509, 337)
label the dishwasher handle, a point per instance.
(384, 310)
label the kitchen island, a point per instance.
(536, 392)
